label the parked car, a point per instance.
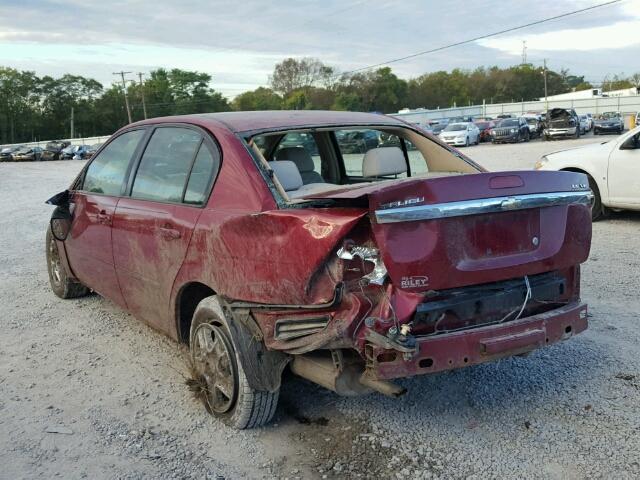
(67, 152)
(351, 279)
(91, 150)
(437, 126)
(28, 154)
(535, 126)
(586, 123)
(485, 126)
(608, 122)
(360, 141)
(511, 130)
(562, 122)
(461, 134)
(613, 170)
(52, 150)
(637, 119)
(6, 154)
(79, 152)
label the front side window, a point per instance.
(106, 172)
(165, 164)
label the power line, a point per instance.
(481, 37)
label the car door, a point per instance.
(93, 204)
(152, 226)
(624, 172)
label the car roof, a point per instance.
(239, 122)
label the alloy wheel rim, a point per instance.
(54, 262)
(214, 363)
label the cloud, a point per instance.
(239, 43)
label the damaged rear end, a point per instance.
(444, 273)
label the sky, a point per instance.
(239, 43)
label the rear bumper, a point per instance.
(483, 344)
(561, 132)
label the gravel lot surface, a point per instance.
(86, 391)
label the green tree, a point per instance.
(293, 74)
(259, 99)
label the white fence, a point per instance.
(628, 106)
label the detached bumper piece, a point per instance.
(436, 353)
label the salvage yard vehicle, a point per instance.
(608, 122)
(27, 154)
(485, 127)
(6, 154)
(352, 268)
(52, 150)
(562, 122)
(511, 130)
(613, 170)
(461, 134)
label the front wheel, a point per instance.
(527, 136)
(598, 210)
(61, 284)
(219, 374)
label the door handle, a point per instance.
(103, 217)
(170, 233)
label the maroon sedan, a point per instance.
(261, 240)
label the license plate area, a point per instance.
(499, 234)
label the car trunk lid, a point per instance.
(458, 230)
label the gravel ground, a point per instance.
(86, 391)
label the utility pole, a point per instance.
(144, 105)
(126, 98)
(524, 52)
(72, 129)
(546, 101)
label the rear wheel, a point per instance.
(61, 284)
(219, 373)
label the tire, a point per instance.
(577, 134)
(61, 284)
(527, 137)
(598, 210)
(466, 143)
(595, 132)
(241, 406)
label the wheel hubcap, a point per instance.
(54, 262)
(214, 362)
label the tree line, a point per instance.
(40, 108)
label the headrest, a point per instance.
(382, 161)
(298, 155)
(288, 174)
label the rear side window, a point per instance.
(202, 173)
(165, 164)
(106, 172)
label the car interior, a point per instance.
(315, 161)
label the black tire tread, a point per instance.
(254, 408)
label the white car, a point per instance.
(586, 123)
(461, 134)
(612, 168)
